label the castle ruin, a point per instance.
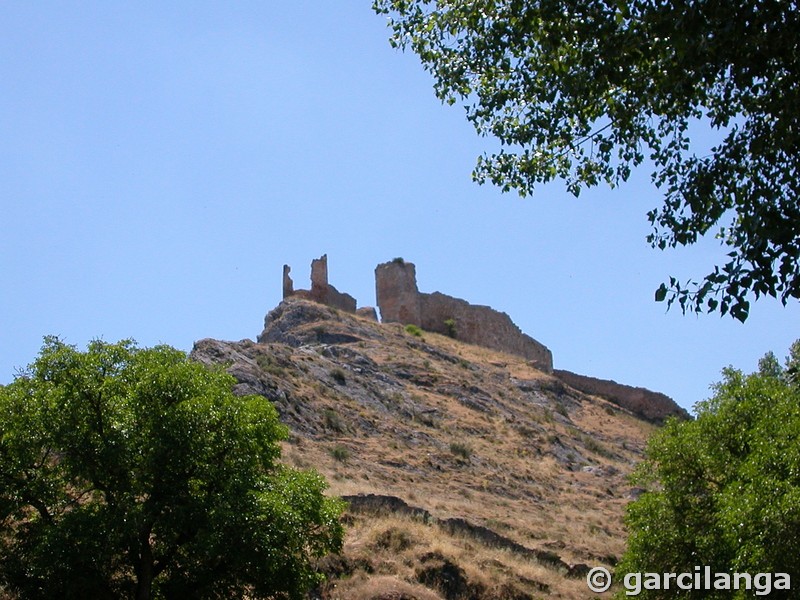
(321, 291)
(400, 301)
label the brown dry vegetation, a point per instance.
(455, 430)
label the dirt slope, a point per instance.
(470, 473)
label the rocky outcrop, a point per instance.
(296, 323)
(368, 312)
(382, 504)
(321, 291)
(288, 323)
(400, 301)
(650, 406)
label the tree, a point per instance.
(724, 490)
(128, 472)
(586, 90)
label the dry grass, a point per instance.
(540, 464)
(396, 547)
(380, 587)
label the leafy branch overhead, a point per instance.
(585, 91)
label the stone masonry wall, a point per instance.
(321, 291)
(396, 292)
(400, 301)
(651, 406)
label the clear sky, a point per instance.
(161, 161)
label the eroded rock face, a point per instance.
(650, 406)
(291, 323)
(400, 301)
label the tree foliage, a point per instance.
(724, 490)
(586, 90)
(128, 472)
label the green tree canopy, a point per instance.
(724, 490)
(586, 90)
(136, 473)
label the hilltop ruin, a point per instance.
(321, 291)
(400, 301)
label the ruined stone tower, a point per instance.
(321, 291)
(396, 292)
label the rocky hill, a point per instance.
(470, 473)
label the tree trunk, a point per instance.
(144, 572)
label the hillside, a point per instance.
(470, 473)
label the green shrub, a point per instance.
(268, 364)
(394, 539)
(340, 453)
(592, 445)
(450, 327)
(414, 330)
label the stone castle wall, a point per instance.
(651, 406)
(396, 293)
(321, 291)
(400, 301)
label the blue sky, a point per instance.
(160, 162)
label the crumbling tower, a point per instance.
(396, 292)
(321, 291)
